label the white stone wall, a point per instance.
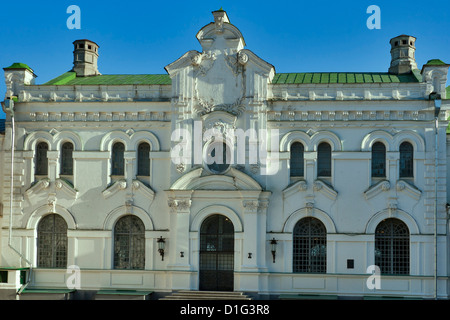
(175, 200)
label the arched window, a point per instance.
(117, 159)
(143, 165)
(392, 247)
(41, 164)
(324, 160)
(297, 161)
(310, 246)
(406, 160)
(67, 159)
(52, 242)
(129, 243)
(378, 160)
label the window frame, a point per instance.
(58, 242)
(294, 165)
(143, 160)
(217, 168)
(312, 243)
(41, 159)
(64, 158)
(321, 161)
(129, 243)
(375, 155)
(389, 237)
(118, 159)
(406, 156)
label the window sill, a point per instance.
(375, 180)
(410, 180)
(144, 179)
(296, 178)
(68, 178)
(115, 178)
(326, 180)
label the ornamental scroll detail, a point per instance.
(220, 82)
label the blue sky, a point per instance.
(295, 36)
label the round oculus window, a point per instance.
(218, 157)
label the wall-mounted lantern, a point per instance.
(273, 248)
(161, 246)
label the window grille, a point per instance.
(392, 247)
(406, 160)
(52, 242)
(324, 160)
(310, 246)
(67, 159)
(378, 160)
(117, 161)
(41, 164)
(143, 159)
(297, 160)
(129, 243)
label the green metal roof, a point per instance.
(47, 290)
(342, 77)
(70, 78)
(19, 65)
(435, 62)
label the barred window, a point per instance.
(406, 160)
(129, 243)
(117, 159)
(310, 246)
(52, 242)
(378, 160)
(392, 247)
(67, 159)
(143, 159)
(324, 160)
(41, 161)
(297, 161)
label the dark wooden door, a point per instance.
(217, 254)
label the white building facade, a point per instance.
(111, 176)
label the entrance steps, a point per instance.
(206, 295)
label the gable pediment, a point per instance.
(45, 186)
(224, 76)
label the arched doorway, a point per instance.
(216, 254)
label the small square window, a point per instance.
(350, 263)
(3, 276)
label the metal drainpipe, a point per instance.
(10, 110)
(437, 107)
(435, 207)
